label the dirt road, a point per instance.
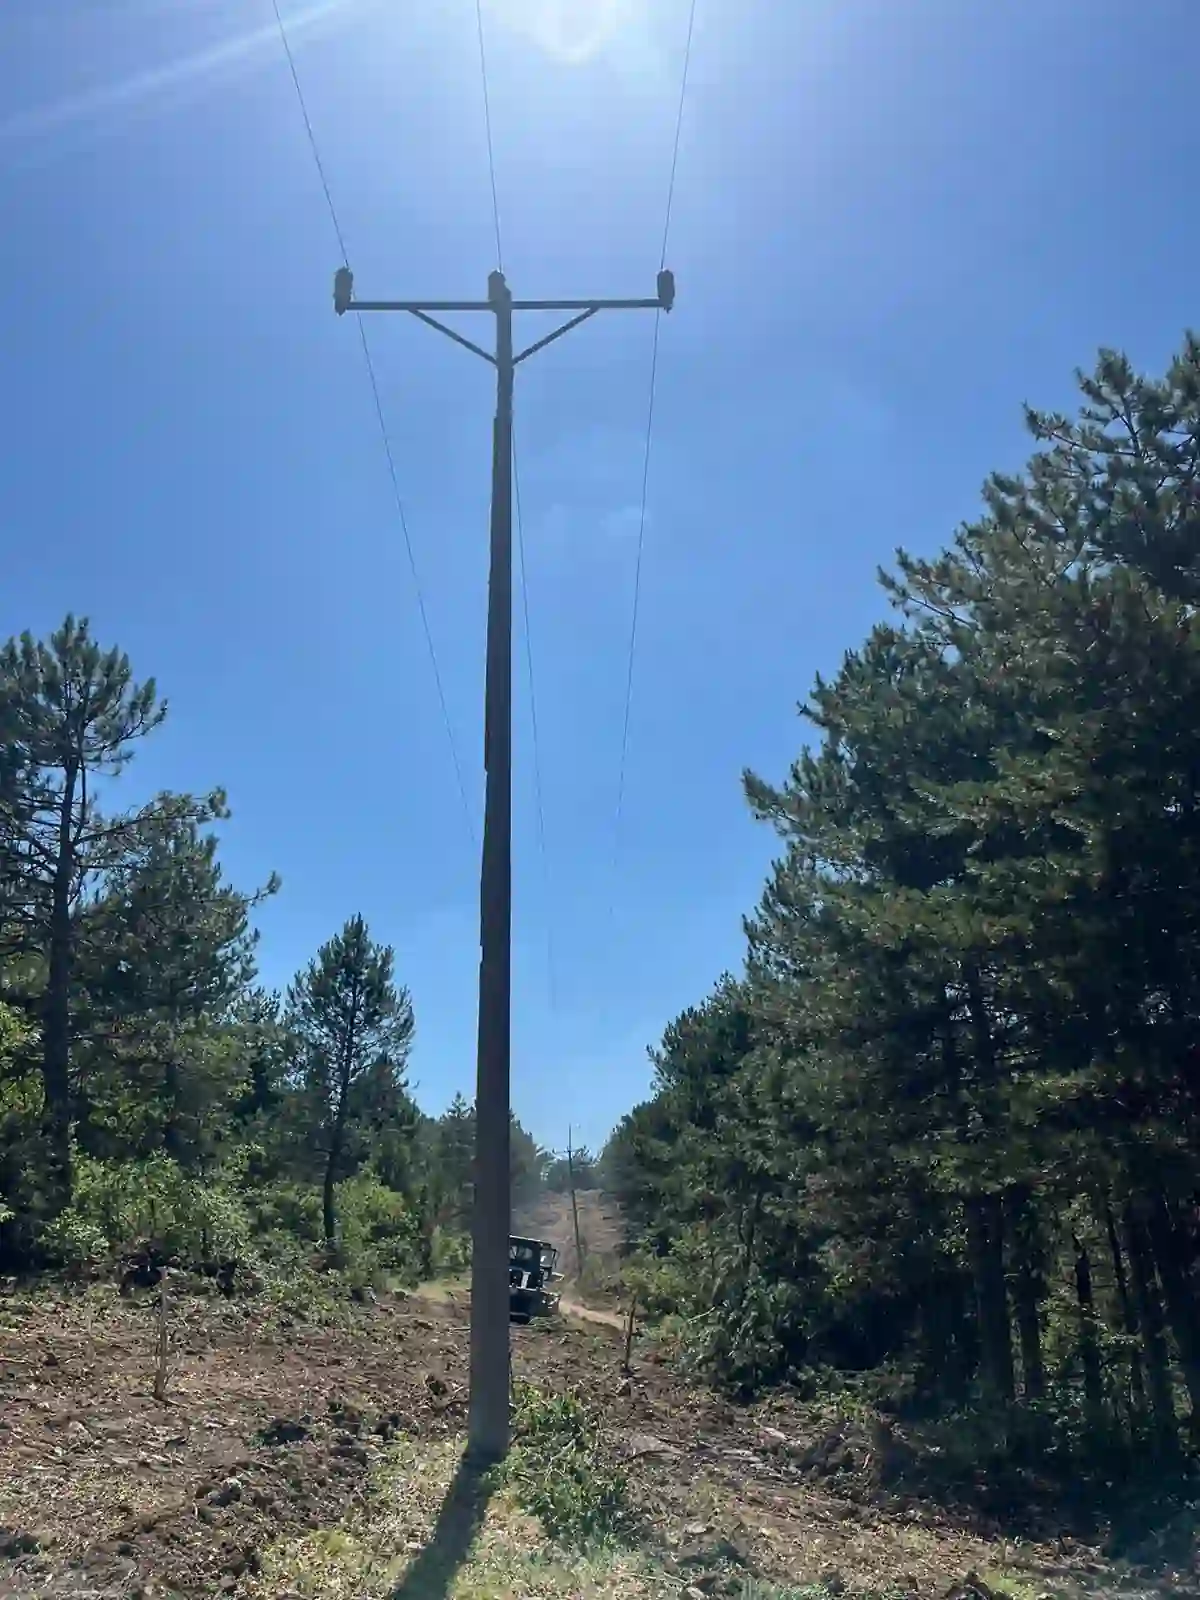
(597, 1314)
(600, 1230)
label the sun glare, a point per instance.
(570, 31)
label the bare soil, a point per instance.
(601, 1233)
(273, 1425)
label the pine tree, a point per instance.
(964, 1134)
(350, 1018)
(74, 717)
(166, 960)
(450, 1166)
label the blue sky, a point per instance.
(893, 223)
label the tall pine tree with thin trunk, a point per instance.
(349, 1017)
(73, 716)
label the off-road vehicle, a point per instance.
(531, 1271)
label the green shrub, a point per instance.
(451, 1253)
(742, 1345)
(380, 1231)
(118, 1204)
(603, 1280)
(74, 1240)
(277, 1227)
(286, 1211)
(16, 1037)
(299, 1292)
(735, 1330)
(20, 1136)
(671, 1285)
(558, 1472)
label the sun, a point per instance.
(569, 31)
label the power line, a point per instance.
(683, 89)
(641, 538)
(491, 148)
(383, 427)
(539, 793)
(308, 128)
(400, 512)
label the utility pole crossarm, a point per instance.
(590, 305)
(343, 301)
(415, 306)
(648, 304)
(488, 1422)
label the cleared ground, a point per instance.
(291, 1458)
(600, 1233)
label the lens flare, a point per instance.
(159, 83)
(570, 31)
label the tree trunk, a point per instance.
(1154, 1343)
(328, 1213)
(985, 1222)
(625, 1365)
(1089, 1342)
(428, 1220)
(336, 1135)
(985, 1228)
(1028, 1290)
(56, 1014)
(1172, 1264)
(1129, 1320)
(750, 1234)
(946, 1362)
(338, 1128)
(172, 1137)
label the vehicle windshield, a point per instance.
(522, 1255)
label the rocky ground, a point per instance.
(274, 1424)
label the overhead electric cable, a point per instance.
(487, 124)
(383, 427)
(647, 449)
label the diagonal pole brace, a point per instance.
(557, 334)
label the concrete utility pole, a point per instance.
(574, 1208)
(488, 1425)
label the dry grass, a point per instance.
(382, 1549)
(454, 1292)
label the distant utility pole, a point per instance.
(574, 1208)
(488, 1426)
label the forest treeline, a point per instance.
(152, 1092)
(939, 1143)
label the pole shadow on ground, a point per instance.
(432, 1572)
